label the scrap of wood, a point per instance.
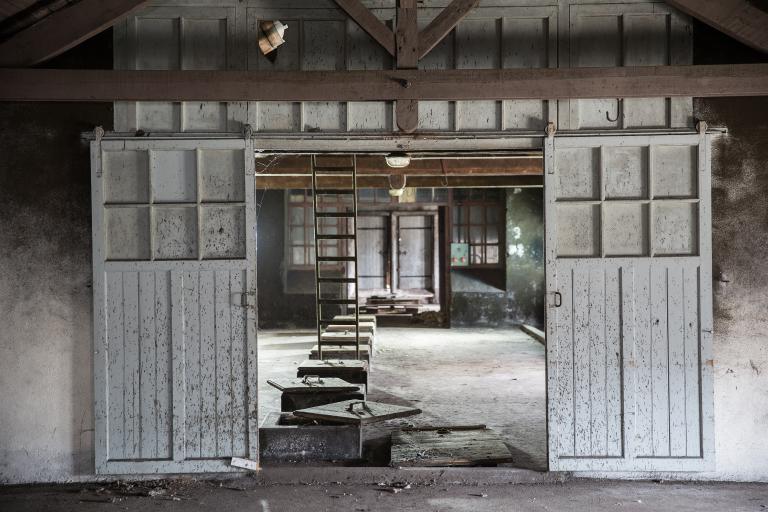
(249, 464)
(448, 448)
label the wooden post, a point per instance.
(407, 46)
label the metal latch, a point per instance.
(245, 299)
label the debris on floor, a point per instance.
(472, 445)
(116, 492)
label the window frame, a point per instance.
(461, 209)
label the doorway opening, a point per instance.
(451, 266)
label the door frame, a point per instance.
(395, 246)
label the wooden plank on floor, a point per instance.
(447, 447)
(357, 412)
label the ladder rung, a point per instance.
(335, 170)
(336, 258)
(334, 215)
(336, 280)
(335, 237)
(337, 301)
(335, 191)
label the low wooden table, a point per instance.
(357, 412)
(346, 338)
(342, 352)
(312, 390)
(365, 327)
(351, 318)
(349, 370)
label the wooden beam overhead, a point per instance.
(63, 29)
(407, 43)
(367, 21)
(465, 84)
(273, 182)
(442, 25)
(740, 19)
(293, 165)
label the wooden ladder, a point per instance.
(349, 233)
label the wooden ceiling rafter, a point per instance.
(63, 29)
(406, 43)
(739, 19)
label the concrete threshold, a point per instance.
(292, 475)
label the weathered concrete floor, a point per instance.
(575, 495)
(457, 377)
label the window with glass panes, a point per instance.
(301, 227)
(477, 216)
(374, 196)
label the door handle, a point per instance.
(558, 299)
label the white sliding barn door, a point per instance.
(629, 316)
(174, 281)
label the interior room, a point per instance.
(452, 274)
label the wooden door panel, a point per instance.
(629, 314)
(372, 235)
(415, 252)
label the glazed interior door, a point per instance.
(372, 236)
(414, 251)
(174, 288)
(629, 316)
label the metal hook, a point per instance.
(618, 109)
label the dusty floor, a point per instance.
(242, 494)
(456, 376)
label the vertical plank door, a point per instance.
(174, 292)
(629, 303)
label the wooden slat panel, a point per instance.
(614, 384)
(163, 376)
(692, 326)
(581, 361)
(239, 384)
(642, 360)
(116, 369)
(565, 366)
(208, 421)
(224, 368)
(192, 365)
(676, 332)
(660, 360)
(597, 363)
(148, 358)
(131, 383)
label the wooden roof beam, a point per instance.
(739, 19)
(442, 25)
(63, 30)
(367, 21)
(452, 85)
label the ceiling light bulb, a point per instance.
(398, 160)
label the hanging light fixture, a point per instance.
(272, 35)
(396, 184)
(398, 160)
